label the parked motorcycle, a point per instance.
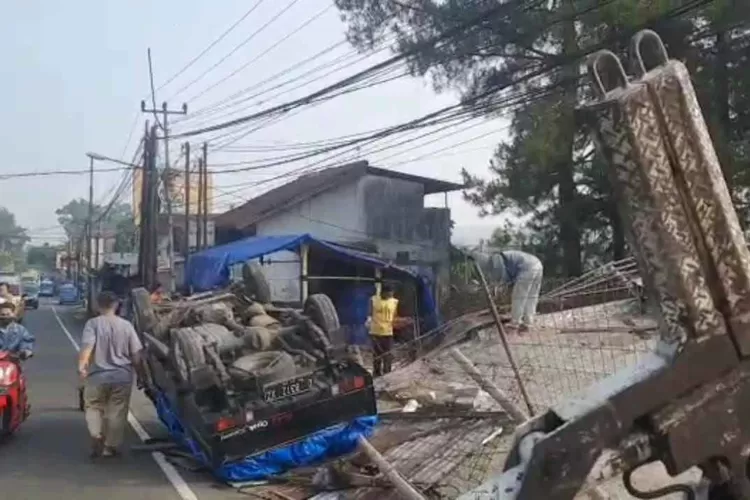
(14, 406)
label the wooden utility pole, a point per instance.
(205, 195)
(186, 236)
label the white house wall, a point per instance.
(385, 211)
(334, 215)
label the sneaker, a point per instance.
(523, 328)
(97, 447)
(110, 452)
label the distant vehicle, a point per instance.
(68, 294)
(47, 288)
(31, 296)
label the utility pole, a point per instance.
(143, 209)
(205, 195)
(166, 178)
(89, 235)
(199, 215)
(186, 236)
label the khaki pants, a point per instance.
(106, 407)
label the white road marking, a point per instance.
(169, 470)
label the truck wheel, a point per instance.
(189, 359)
(265, 367)
(144, 316)
(256, 284)
(320, 309)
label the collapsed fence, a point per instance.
(456, 434)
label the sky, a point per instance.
(77, 71)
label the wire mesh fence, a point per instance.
(586, 330)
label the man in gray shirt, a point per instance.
(110, 355)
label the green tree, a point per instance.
(42, 257)
(74, 216)
(12, 239)
(547, 170)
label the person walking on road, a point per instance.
(524, 272)
(382, 314)
(110, 356)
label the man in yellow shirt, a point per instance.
(382, 313)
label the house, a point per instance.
(357, 205)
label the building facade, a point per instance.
(372, 209)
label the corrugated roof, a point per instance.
(305, 187)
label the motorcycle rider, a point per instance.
(14, 337)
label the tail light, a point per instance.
(349, 385)
(226, 423)
(8, 373)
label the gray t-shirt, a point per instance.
(115, 343)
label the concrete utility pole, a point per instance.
(89, 235)
(166, 179)
(186, 235)
(205, 195)
(144, 208)
(199, 215)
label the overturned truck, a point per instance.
(243, 376)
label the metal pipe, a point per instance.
(488, 386)
(503, 337)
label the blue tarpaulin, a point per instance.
(326, 444)
(210, 269)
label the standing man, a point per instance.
(110, 354)
(382, 313)
(524, 272)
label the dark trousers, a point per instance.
(382, 357)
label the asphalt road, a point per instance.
(48, 457)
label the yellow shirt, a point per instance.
(383, 314)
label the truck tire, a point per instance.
(189, 359)
(265, 367)
(320, 309)
(256, 284)
(144, 316)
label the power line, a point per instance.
(211, 45)
(237, 98)
(265, 52)
(235, 49)
(354, 78)
(217, 106)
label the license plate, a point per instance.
(287, 388)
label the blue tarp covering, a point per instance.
(326, 444)
(210, 269)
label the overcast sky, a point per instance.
(75, 73)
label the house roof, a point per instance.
(307, 186)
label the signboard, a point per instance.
(177, 192)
